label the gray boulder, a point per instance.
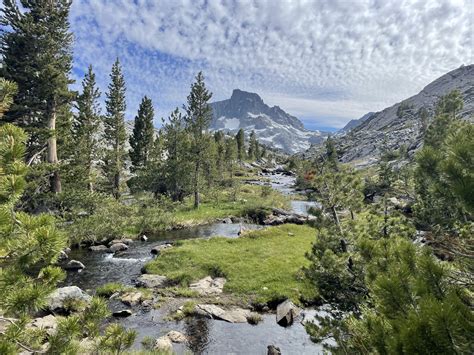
(208, 286)
(273, 350)
(286, 313)
(122, 313)
(163, 344)
(99, 248)
(156, 250)
(234, 315)
(74, 265)
(118, 247)
(151, 281)
(58, 299)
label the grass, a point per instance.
(262, 267)
(110, 288)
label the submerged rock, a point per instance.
(118, 247)
(151, 281)
(163, 344)
(208, 286)
(59, 299)
(122, 313)
(286, 313)
(99, 248)
(177, 337)
(74, 265)
(235, 315)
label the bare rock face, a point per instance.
(151, 281)
(58, 299)
(234, 315)
(208, 286)
(286, 313)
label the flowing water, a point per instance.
(207, 336)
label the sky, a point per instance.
(324, 61)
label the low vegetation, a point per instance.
(262, 267)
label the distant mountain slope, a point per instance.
(400, 124)
(272, 125)
(355, 123)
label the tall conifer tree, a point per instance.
(198, 117)
(114, 129)
(240, 138)
(141, 140)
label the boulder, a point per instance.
(62, 255)
(151, 281)
(177, 337)
(122, 313)
(131, 298)
(58, 299)
(208, 286)
(163, 344)
(143, 238)
(74, 265)
(286, 313)
(118, 247)
(99, 248)
(48, 323)
(5, 323)
(273, 350)
(235, 315)
(227, 221)
(157, 249)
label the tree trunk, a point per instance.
(117, 185)
(52, 157)
(196, 186)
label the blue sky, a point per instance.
(325, 62)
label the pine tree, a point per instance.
(240, 138)
(253, 152)
(198, 117)
(230, 155)
(114, 132)
(37, 54)
(8, 90)
(86, 130)
(219, 138)
(141, 140)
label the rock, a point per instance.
(118, 247)
(273, 350)
(157, 249)
(235, 315)
(87, 346)
(67, 250)
(208, 286)
(151, 281)
(99, 248)
(177, 337)
(122, 313)
(74, 265)
(163, 344)
(286, 313)
(62, 255)
(5, 323)
(143, 238)
(227, 221)
(58, 299)
(131, 298)
(48, 323)
(291, 234)
(126, 241)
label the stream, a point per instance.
(206, 336)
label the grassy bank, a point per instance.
(263, 266)
(99, 218)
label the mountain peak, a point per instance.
(240, 95)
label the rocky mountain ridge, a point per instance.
(272, 125)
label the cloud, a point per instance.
(316, 59)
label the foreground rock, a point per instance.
(74, 265)
(151, 281)
(235, 315)
(286, 313)
(273, 350)
(177, 337)
(163, 344)
(122, 313)
(118, 247)
(60, 299)
(131, 298)
(126, 241)
(208, 286)
(157, 250)
(48, 323)
(280, 216)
